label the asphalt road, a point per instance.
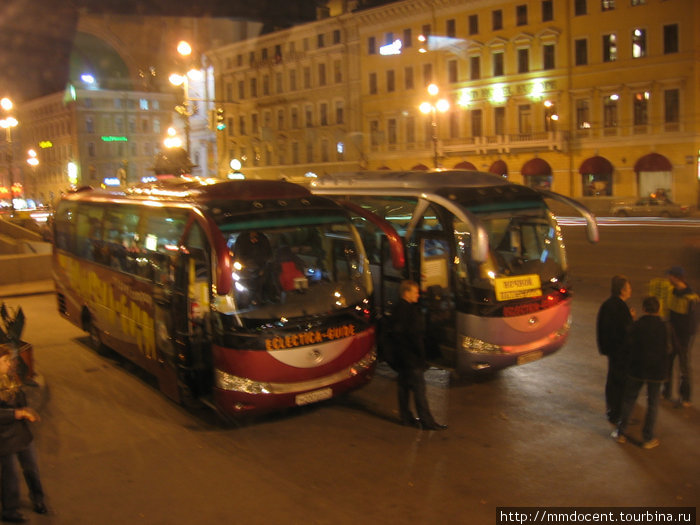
(113, 450)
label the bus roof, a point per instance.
(202, 191)
(417, 180)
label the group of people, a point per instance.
(643, 351)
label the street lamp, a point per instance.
(432, 108)
(177, 79)
(8, 123)
(33, 161)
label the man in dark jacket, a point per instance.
(614, 320)
(649, 348)
(16, 444)
(408, 332)
(683, 314)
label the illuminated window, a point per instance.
(607, 5)
(609, 48)
(583, 115)
(610, 111)
(639, 43)
(641, 108)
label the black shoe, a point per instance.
(13, 517)
(40, 508)
(432, 426)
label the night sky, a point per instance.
(36, 36)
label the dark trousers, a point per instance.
(632, 388)
(681, 350)
(413, 380)
(9, 478)
(614, 387)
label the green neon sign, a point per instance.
(112, 138)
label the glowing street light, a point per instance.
(177, 79)
(431, 108)
(8, 123)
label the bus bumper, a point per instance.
(238, 396)
(478, 356)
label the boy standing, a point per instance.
(649, 348)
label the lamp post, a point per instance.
(8, 123)
(185, 109)
(33, 161)
(432, 107)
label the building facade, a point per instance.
(590, 98)
(92, 137)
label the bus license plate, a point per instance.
(314, 396)
(529, 358)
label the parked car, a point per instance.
(650, 207)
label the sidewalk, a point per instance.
(27, 288)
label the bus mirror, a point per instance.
(162, 295)
(591, 223)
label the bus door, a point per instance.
(430, 260)
(190, 314)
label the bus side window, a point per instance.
(161, 230)
(89, 232)
(65, 226)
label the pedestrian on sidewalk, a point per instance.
(684, 309)
(612, 327)
(649, 344)
(408, 334)
(16, 443)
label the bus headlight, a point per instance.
(477, 346)
(227, 381)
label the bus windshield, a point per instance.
(293, 266)
(521, 241)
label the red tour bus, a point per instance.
(248, 295)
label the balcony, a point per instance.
(535, 141)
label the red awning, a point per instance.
(596, 166)
(536, 166)
(465, 165)
(499, 167)
(420, 167)
(653, 162)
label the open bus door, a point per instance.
(190, 314)
(433, 268)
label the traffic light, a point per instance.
(220, 119)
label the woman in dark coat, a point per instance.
(16, 443)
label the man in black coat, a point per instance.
(408, 332)
(613, 323)
(649, 348)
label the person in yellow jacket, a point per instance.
(683, 311)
